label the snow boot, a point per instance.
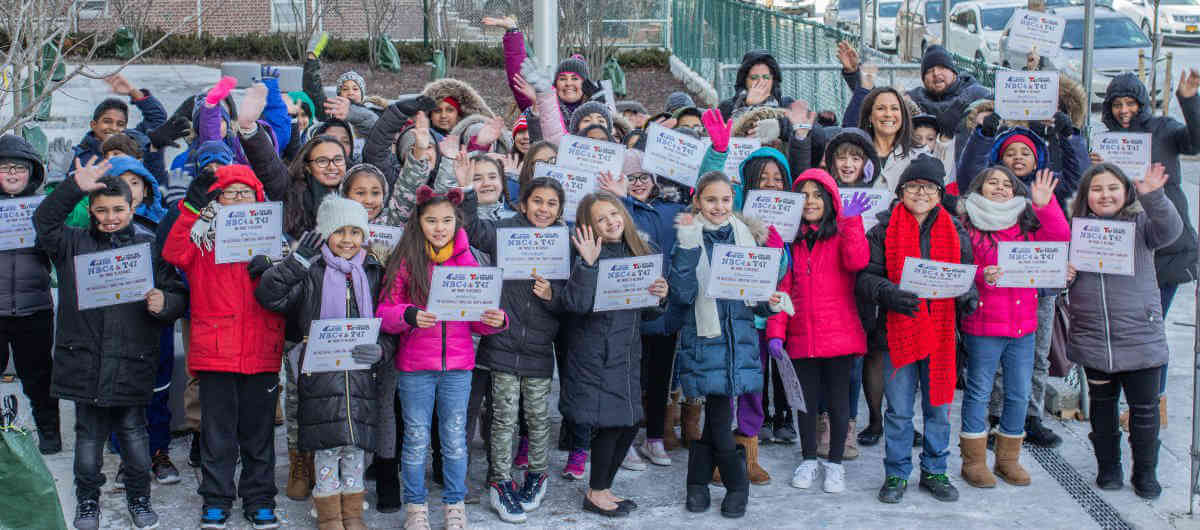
(1008, 460)
(974, 456)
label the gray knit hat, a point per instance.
(336, 212)
(591, 107)
(679, 100)
(632, 106)
(358, 80)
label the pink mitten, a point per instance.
(718, 129)
(220, 90)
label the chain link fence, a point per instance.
(710, 37)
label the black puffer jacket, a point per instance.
(526, 347)
(950, 105)
(336, 408)
(24, 272)
(733, 105)
(105, 356)
(604, 368)
(1175, 263)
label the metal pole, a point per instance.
(545, 32)
(1195, 483)
(945, 21)
(1089, 43)
(874, 24)
(862, 19)
(1155, 50)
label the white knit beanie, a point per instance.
(336, 212)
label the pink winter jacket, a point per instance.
(821, 285)
(1010, 311)
(446, 345)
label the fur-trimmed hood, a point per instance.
(749, 119)
(973, 111)
(1072, 99)
(469, 126)
(468, 99)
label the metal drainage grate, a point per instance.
(1078, 488)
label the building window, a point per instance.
(93, 8)
(287, 15)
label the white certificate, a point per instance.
(576, 184)
(1032, 264)
(523, 252)
(16, 222)
(674, 155)
(1041, 30)
(1128, 151)
(743, 273)
(1102, 246)
(385, 235)
(782, 209)
(330, 342)
(936, 279)
(738, 151)
(1022, 95)
(625, 283)
(462, 294)
(112, 277)
(586, 154)
(248, 230)
(879, 200)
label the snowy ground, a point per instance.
(1044, 504)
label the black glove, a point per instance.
(991, 125)
(198, 195)
(967, 304)
(1063, 126)
(258, 265)
(366, 353)
(900, 301)
(166, 134)
(411, 106)
(309, 245)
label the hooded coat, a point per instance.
(1176, 262)
(151, 210)
(24, 272)
(950, 105)
(316, 94)
(732, 107)
(858, 137)
(982, 152)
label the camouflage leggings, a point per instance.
(508, 391)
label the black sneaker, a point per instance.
(503, 497)
(49, 441)
(893, 490)
(262, 518)
(87, 515)
(164, 471)
(1040, 435)
(194, 453)
(938, 485)
(214, 518)
(533, 491)
(868, 437)
(142, 514)
(766, 434)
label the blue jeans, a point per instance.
(900, 386)
(855, 385)
(419, 391)
(984, 355)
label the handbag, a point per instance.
(1060, 365)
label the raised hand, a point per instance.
(490, 132)
(87, 177)
(524, 87)
(870, 72)
(448, 147)
(848, 56)
(220, 90)
(309, 245)
(120, 85)
(618, 186)
(464, 168)
(337, 107)
(718, 129)
(1032, 59)
(800, 114)
(856, 205)
(252, 105)
(760, 90)
(537, 77)
(511, 163)
(1042, 191)
(1154, 180)
(506, 22)
(587, 243)
(1189, 83)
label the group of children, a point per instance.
(447, 170)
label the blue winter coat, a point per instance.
(657, 220)
(727, 365)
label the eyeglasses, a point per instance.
(764, 77)
(639, 177)
(231, 195)
(914, 188)
(324, 162)
(14, 170)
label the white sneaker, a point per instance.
(655, 452)
(805, 474)
(835, 477)
(632, 461)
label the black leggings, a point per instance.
(658, 357)
(872, 382)
(718, 421)
(1141, 391)
(825, 380)
(609, 446)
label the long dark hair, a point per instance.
(410, 253)
(752, 173)
(1080, 207)
(544, 182)
(903, 136)
(299, 211)
(1027, 221)
(826, 227)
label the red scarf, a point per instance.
(929, 333)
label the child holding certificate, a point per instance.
(436, 358)
(999, 207)
(330, 275)
(718, 353)
(1117, 322)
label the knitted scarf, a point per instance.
(440, 255)
(333, 286)
(991, 216)
(929, 333)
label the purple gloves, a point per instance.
(775, 348)
(857, 204)
(718, 129)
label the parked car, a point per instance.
(804, 8)
(919, 26)
(1177, 19)
(888, 11)
(843, 15)
(1118, 40)
(976, 27)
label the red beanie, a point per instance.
(453, 103)
(1018, 139)
(521, 124)
(238, 174)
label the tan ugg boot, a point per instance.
(758, 475)
(851, 450)
(329, 512)
(670, 439)
(416, 517)
(974, 457)
(352, 511)
(1008, 460)
(300, 480)
(1162, 411)
(691, 421)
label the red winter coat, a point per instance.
(821, 284)
(446, 345)
(231, 332)
(1010, 311)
